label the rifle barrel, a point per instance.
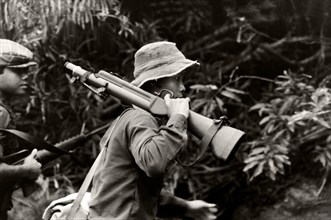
(120, 89)
(45, 156)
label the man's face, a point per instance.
(14, 81)
(173, 84)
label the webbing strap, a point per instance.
(82, 190)
(207, 138)
(88, 179)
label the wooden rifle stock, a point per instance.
(224, 142)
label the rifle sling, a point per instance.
(207, 138)
(36, 142)
(12, 158)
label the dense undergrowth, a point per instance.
(264, 64)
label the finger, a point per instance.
(213, 210)
(33, 153)
(211, 217)
(211, 205)
(206, 216)
(167, 97)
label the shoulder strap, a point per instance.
(5, 106)
(88, 179)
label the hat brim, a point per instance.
(24, 65)
(162, 72)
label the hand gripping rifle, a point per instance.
(223, 139)
(48, 154)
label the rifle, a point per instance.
(45, 156)
(223, 139)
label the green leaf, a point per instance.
(278, 134)
(235, 90)
(279, 158)
(257, 150)
(328, 154)
(231, 95)
(280, 166)
(323, 123)
(286, 105)
(272, 175)
(257, 106)
(251, 159)
(250, 165)
(196, 104)
(265, 120)
(270, 128)
(300, 116)
(321, 158)
(219, 102)
(281, 148)
(258, 170)
(272, 166)
(200, 87)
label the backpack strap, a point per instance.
(88, 179)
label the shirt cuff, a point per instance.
(178, 121)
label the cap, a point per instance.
(14, 55)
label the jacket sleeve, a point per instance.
(4, 121)
(170, 206)
(8, 173)
(154, 148)
(4, 117)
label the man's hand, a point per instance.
(198, 209)
(177, 106)
(31, 166)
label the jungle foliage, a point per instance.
(265, 64)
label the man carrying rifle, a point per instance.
(143, 148)
(15, 61)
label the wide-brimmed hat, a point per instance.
(158, 60)
(14, 55)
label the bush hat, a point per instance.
(158, 60)
(14, 55)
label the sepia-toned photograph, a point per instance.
(165, 109)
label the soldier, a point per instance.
(142, 149)
(15, 61)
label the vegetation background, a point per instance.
(264, 63)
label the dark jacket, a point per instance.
(5, 189)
